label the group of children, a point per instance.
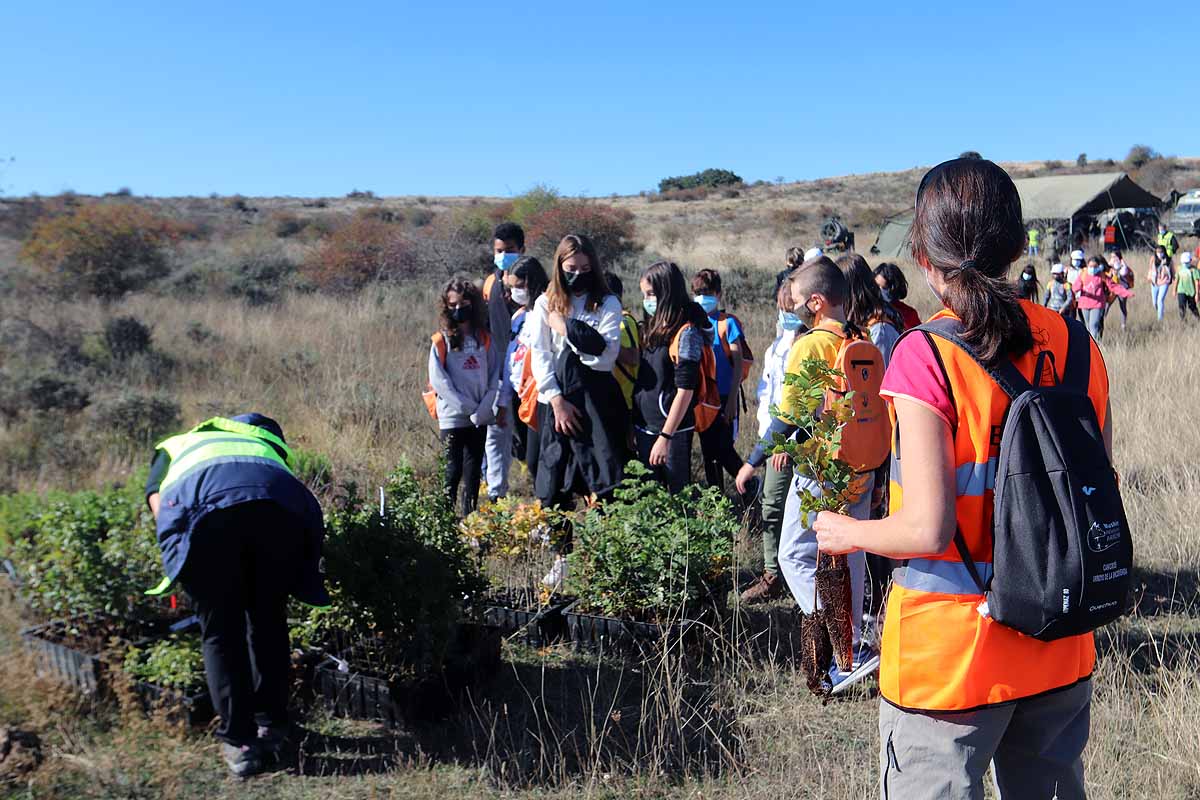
(571, 383)
(1091, 286)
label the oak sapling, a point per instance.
(821, 418)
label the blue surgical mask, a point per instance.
(504, 261)
(789, 321)
(650, 304)
(1096, 270)
(706, 301)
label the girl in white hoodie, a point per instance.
(464, 371)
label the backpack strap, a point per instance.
(439, 341)
(1077, 373)
(1005, 374)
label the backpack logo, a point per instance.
(1102, 536)
(1066, 606)
(1089, 490)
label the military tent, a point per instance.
(1055, 197)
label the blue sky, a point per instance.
(307, 98)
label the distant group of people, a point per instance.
(1088, 287)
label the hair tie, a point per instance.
(968, 264)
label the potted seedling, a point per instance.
(649, 565)
(515, 544)
(169, 674)
(394, 644)
(826, 634)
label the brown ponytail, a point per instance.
(968, 226)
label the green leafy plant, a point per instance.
(175, 661)
(821, 422)
(86, 552)
(647, 553)
(399, 580)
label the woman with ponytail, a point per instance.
(960, 691)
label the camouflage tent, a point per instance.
(892, 242)
(1056, 197)
(1068, 196)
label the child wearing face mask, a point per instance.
(508, 246)
(716, 443)
(1123, 274)
(1093, 288)
(464, 373)
(1059, 295)
(770, 584)
(1028, 287)
(1160, 278)
(525, 282)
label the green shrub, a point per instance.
(40, 392)
(709, 178)
(175, 662)
(126, 336)
(103, 249)
(399, 581)
(86, 552)
(648, 553)
(314, 469)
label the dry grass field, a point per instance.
(344, 376)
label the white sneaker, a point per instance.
(866, 663)
(557, 574)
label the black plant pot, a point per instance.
(194, 707)
(536, 627)
(472, 660)
(598, 633)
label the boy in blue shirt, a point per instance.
(716, 443)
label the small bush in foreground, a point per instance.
(649, 553)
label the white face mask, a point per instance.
(519, 295)
(932, 290)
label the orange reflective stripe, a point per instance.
(938, 652)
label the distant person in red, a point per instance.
(894, 287)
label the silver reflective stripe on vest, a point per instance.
(942, 577)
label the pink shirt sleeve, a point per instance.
(914, 374)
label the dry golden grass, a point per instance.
(344, 377)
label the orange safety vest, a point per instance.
(938, 652)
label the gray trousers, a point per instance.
(497, 452)
(798, 551)
(1034, 746)
(776, 486)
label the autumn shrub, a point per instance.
(362, 250)
(103, 249)
(611, 229)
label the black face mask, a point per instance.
(461, 314)
(578, 282)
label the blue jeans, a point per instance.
(1094, 319)
(1159, 294)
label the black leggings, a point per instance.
(677, 472)
(716, 447)
(463, 448)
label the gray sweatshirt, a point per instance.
(467, 385)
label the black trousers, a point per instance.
(1187, 304)
(716, 447)
(677, 472)
(464, 464)
(238, 570)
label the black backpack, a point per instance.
(1062, 553)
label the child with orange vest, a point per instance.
(960, 691)
(464, 376)
(819, 292)
(508, 246)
